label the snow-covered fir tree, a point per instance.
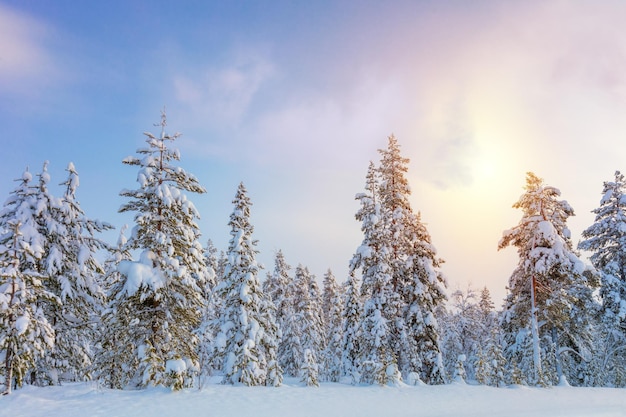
(25, 333)
(309, 370)
(332, 308)
(350, 344)
(382, 303)
(291, 351)
(402, 282)
(606, 240)
(487, 314)
(110, 363)
(309, 324)
(277, 285)
(459, 376)
(211, 306)
(416, 270)
(73, 276)
(490, 363)
(160, 301)
(247, 331)
(463, 332)
(546, 319)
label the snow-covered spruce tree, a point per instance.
(350, 344)
(309, 370)
(332, 308)
(382, 303)
(25, 333)
(416, 272)
(160, 300)
(397, 253)
(110, 365)
(550, 295)
(606, 240)
(309, 324)
(73, 276)
(246, 333)
(489, 363)
(291, 350)
(487, 315)
(277, 286)
(210, 308)
(462, 332)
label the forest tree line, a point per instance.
(163, 310)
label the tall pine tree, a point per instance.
(550, 295)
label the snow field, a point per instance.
(330, 399)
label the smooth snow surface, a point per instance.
(330, 399)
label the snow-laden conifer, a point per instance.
(277, 286)
(310, 327)
(25, 333)
(548, 303)
(161, 292)
(332, 308)
(350, 344)
(210, 308)
(246, 332)
(73, 273)
(402, 282)
(381, 306)
(417, 277)
(606, 240)
(115, 358)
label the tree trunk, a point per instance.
(8, 363)
(534, 328)
(557, 353)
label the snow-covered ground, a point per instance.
(292, 399)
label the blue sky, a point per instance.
(294, 99)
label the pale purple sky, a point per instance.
(294, 99)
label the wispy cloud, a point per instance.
(222, 94)
(25, 60)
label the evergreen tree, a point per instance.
(460, 375)
(490, 364)
(309, 370)
(277, 286)
(402, 282)
(246, 337)
(350, 344)
(25, 333)
(291, 347)
(111, 360)
(463, 332)
(373, 257)
(549, 292)
(308, 320)
(606, 240)
(210, 308)
(161, 293)
(486, 313)
(332, 307)
(73, 271)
